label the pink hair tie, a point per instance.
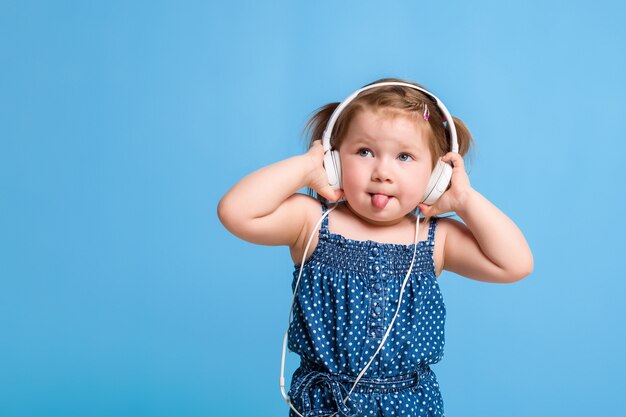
(426, 112)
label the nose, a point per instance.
(382, 171)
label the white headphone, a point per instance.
(439, 180)
(293, 300)
(442, 173)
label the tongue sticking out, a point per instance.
(380, 200)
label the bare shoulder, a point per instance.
(447, 224)
(446, 231)
(304, 202)
(311, 211)
(444, 224)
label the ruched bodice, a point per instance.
(346, 299)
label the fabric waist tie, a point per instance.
(312, 377)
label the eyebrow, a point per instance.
(365, 139)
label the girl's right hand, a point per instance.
(318, 179)
(265, 207)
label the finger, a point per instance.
(454, 158)
(329, 194)
(428, 210)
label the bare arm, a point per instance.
(489, 246)
(263, 208)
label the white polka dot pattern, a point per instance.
(346, 298)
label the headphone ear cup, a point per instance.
(438, 183)
(332, 165)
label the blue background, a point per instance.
(123, 123)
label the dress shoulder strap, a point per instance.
(431, 230)
(324, 226)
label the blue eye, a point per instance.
(404, 157)
(365, 152)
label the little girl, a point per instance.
(368, 315)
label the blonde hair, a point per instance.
(401, 99)
(395, 99)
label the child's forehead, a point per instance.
(381, 114)
(373, 118)
(374, 126)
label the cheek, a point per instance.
(349, 182)
(350, 174)
(417, 181)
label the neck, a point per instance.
(410, 216)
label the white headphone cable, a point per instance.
(293, 299)
(382, 342)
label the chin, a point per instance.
(378, 216)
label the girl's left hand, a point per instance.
(453, 199)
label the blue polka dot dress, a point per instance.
(346, 298)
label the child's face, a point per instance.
(386, 164)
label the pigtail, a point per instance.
(313, 130)
(314, 127)
(465, 140)
(403, 99)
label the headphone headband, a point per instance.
(333, 118)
